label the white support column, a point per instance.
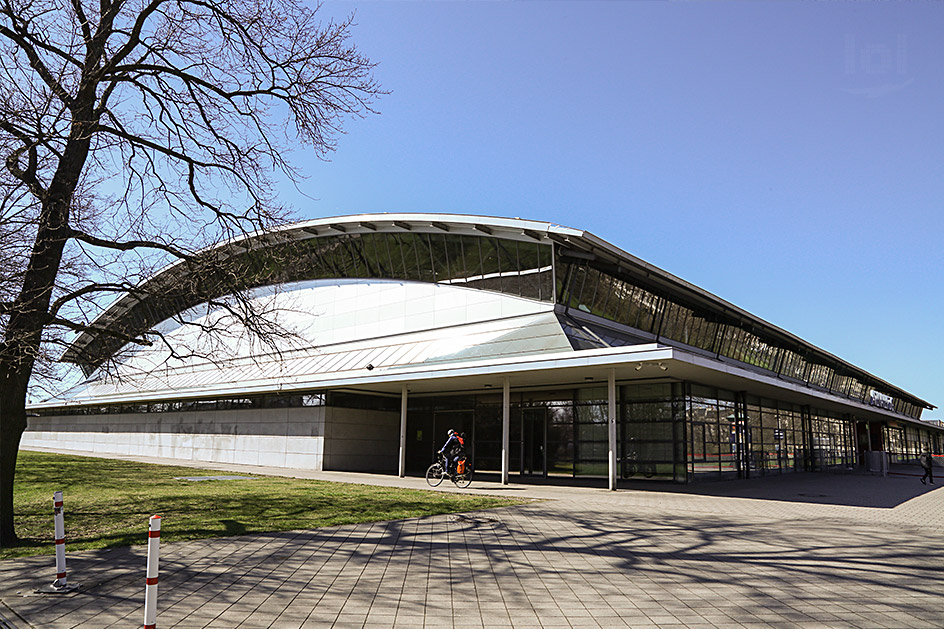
(506, 427)
(611, 394)
(403, 405)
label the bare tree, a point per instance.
(134, 133)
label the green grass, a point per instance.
(107, 503)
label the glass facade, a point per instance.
(665, 431)
(507, 266)
(650, 432)
(732, 435)
(583, 286)
(905, 442)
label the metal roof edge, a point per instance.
(601, 357)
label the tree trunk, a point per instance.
(12, 425)
(21, 345)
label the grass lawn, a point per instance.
(107, 503)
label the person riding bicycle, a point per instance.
(452, 450)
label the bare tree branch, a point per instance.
(130, 244)
(134, 133)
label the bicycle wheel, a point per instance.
(463, 480)
(434, 475)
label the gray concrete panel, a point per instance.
(361, 440)
(279, 437)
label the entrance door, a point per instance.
(862, 443)
(741, 448)
(741, 440)
(460, 421)
(533, 442)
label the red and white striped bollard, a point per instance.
(150, 591)
(60, 527)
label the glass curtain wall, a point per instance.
(591, 446)
(771, 438)
(582, 286)
(665, 431)
(507, 266)
(650, 433)
(905, 443)
(560, 433)
(714, 433)
(832, 441)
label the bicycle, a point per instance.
(438, 471)
(631, 466)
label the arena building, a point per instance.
(557, 353)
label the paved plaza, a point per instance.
(811, 550)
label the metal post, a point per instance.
(59, 524)
(58, 586)
(153, 556)
(506, 427)
(403, 406)
(611, 395)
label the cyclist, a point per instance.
(452, 450)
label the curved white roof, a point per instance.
(334, 328)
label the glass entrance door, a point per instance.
(742, 447)
(533, 441)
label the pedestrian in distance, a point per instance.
(926, 462)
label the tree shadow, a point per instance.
(233, 527)
(848, 488)
(762, 564)
(829, 488)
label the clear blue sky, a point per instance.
(788, 157)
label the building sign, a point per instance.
(881, 400)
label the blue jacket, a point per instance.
(452, 445)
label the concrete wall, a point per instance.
(278, 437)
(361, 440)
(312, 438)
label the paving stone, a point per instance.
(761, 556)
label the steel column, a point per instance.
(403, 405)
(506, 428)
(611, 397)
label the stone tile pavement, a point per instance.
(811, 550)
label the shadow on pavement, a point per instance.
(846, 488)
(834, 488)
(767, 566)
